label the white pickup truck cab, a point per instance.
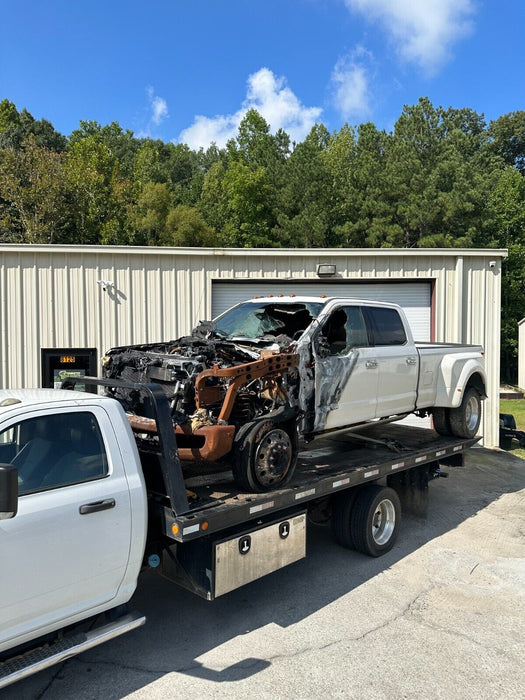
(75, 547)
(360, 363)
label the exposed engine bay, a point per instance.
(214, 384)
(192, 373)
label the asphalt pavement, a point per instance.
(440, 616)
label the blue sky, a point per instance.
(187, 70)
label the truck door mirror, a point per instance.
(8, 491)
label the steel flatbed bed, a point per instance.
(330, 465)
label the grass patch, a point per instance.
(517, 408)
(517, 452)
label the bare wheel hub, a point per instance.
(383, 522)
(273, 457)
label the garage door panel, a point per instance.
(413, 297)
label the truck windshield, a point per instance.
(252, 320)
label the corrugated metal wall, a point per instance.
(50, 296)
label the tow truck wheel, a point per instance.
(264, 459)
(465, 420)
(441, 421)
(342, 505)
(375, 520)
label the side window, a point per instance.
(356, 333)
(387, 326)
(56, 450)
(345, 329)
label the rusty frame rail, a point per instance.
(269, 367)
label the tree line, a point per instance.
(441, 177)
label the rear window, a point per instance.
(387, 326)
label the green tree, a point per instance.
(438, 172)
(250, 216)
(15, 128)
(186, 227)
(363, 200)
(508, 135)
(34, 194)
(150, 214)
(304, 201)
(122, 145)
(148, 167)
(507, 201)
(213, 203)
(92, 172)
(255, 146)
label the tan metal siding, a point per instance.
(50, 296)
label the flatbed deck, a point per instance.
(323, 468)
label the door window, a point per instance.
(387, 326)
(345, 329)
(56, 450)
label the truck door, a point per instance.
(346, 375)
(397, 361)
(66, 551)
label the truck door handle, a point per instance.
(96, 506)
(411, 361)
(371, 364)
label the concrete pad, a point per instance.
(440, 616)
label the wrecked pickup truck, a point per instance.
(244, 387)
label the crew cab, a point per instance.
(244, 386)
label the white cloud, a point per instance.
(350, 84)
(158, 112)
(423, 31)
(271, 97)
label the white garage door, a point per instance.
(414, 297)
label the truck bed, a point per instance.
(329, 465)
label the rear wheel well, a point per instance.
(477, 382)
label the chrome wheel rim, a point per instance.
(383, 522)
(472, 413)
(273, 457)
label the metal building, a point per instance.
(72, 298)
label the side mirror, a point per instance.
(8, 491)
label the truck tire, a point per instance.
(265, 457)
(441, 421)
(465, 420)
(375, 520)
(342, 505)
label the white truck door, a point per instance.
(346, 371)
(66, 550)
(397, 361)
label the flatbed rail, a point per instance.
(340, 464)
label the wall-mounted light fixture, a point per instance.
(326, 270)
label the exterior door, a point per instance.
(61, 554)
(397, 362)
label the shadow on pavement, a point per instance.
(181, 628)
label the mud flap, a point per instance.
(412, 488)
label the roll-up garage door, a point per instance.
(413, 297)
